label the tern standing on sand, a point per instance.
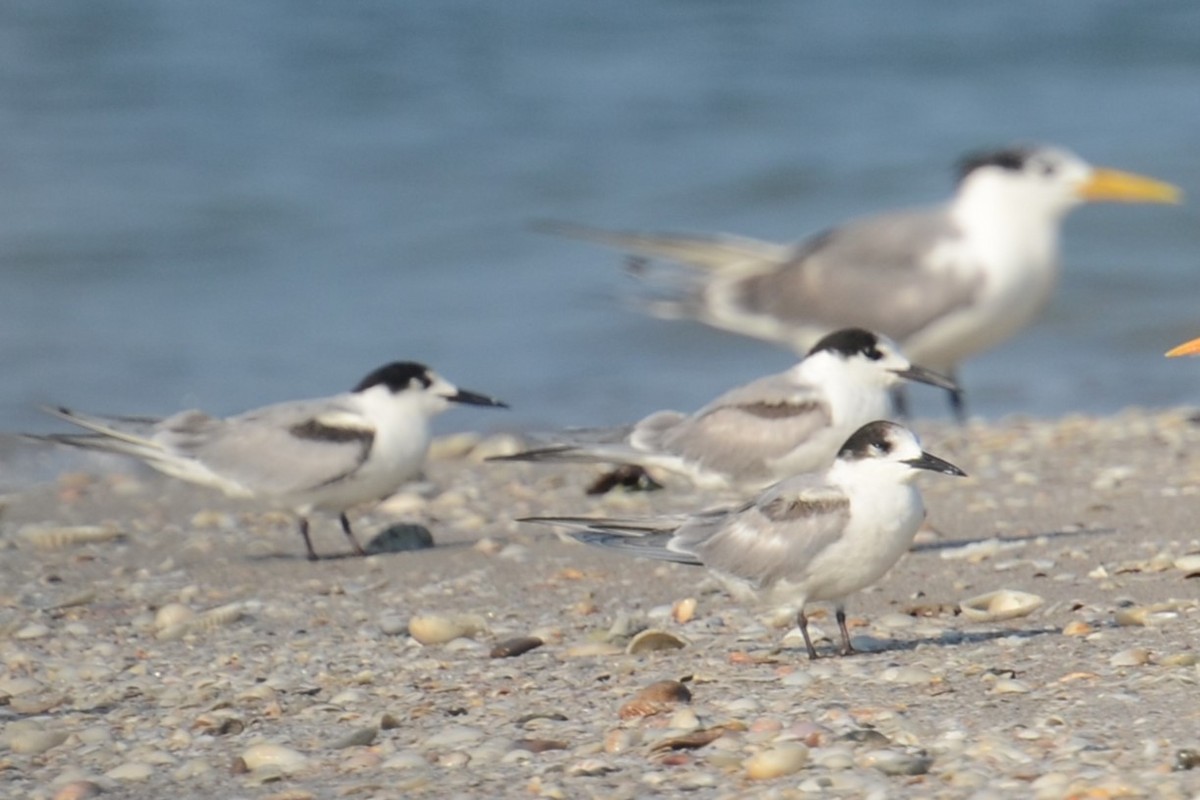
(817, 537)
(326, 454)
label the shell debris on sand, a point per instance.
(57, 537)
(1000, 605)
(323, 665)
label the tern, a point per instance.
(327, 454)
(815, 537)
(771, 428)
(945, 282)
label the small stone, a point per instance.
(1010, 686)
(392, 624)
(897, 762)
(400, 538)
(782, 759)
(520, 645)
(455, 736)
(907, 676)
(1077, 628)
(78, 790)
(27, 738)
(361, 737)
(130, 771)
(34, 630)
(406, 759)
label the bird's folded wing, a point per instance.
(880, 273)
(775, 537)
(282, 449)
(743, 430)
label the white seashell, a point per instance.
(783, 759)
(650, 640)
(1000, 604)
(1188, 563)
(56, 537)
(438, 629)
(285, 759)
(209, 620)
(683, 610)
(172, 614)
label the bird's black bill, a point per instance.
(922, 375)
(933, 463)
(475, 399)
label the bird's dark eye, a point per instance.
(873, 353)
(1048, 170)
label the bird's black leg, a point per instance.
(958, 401)
(312, 554)
(847, 648)
(358, 549)
(802, 621)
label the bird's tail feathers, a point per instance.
(639, 537)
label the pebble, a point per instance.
(356, 738)
(510, 648)
(897, 762)
(400, 538)
(783, 759)
(78, 790)
(30, 738)
(131, 771)
(455, 736)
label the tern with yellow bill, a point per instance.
(944, 282)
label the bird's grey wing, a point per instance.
(872, 272)
(741, 431)
(774, 537)
(722, 251)
(279, 449)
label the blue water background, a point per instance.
(224, 204)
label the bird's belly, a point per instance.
(386, 471)
(1008, 301)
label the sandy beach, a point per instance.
(158, 640)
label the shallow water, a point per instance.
(227, 204)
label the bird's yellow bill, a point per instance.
(1126, 187)
(1186, 349)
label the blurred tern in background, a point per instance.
(756, 434)
(817, 537)
(945, 282)
(327, 454)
